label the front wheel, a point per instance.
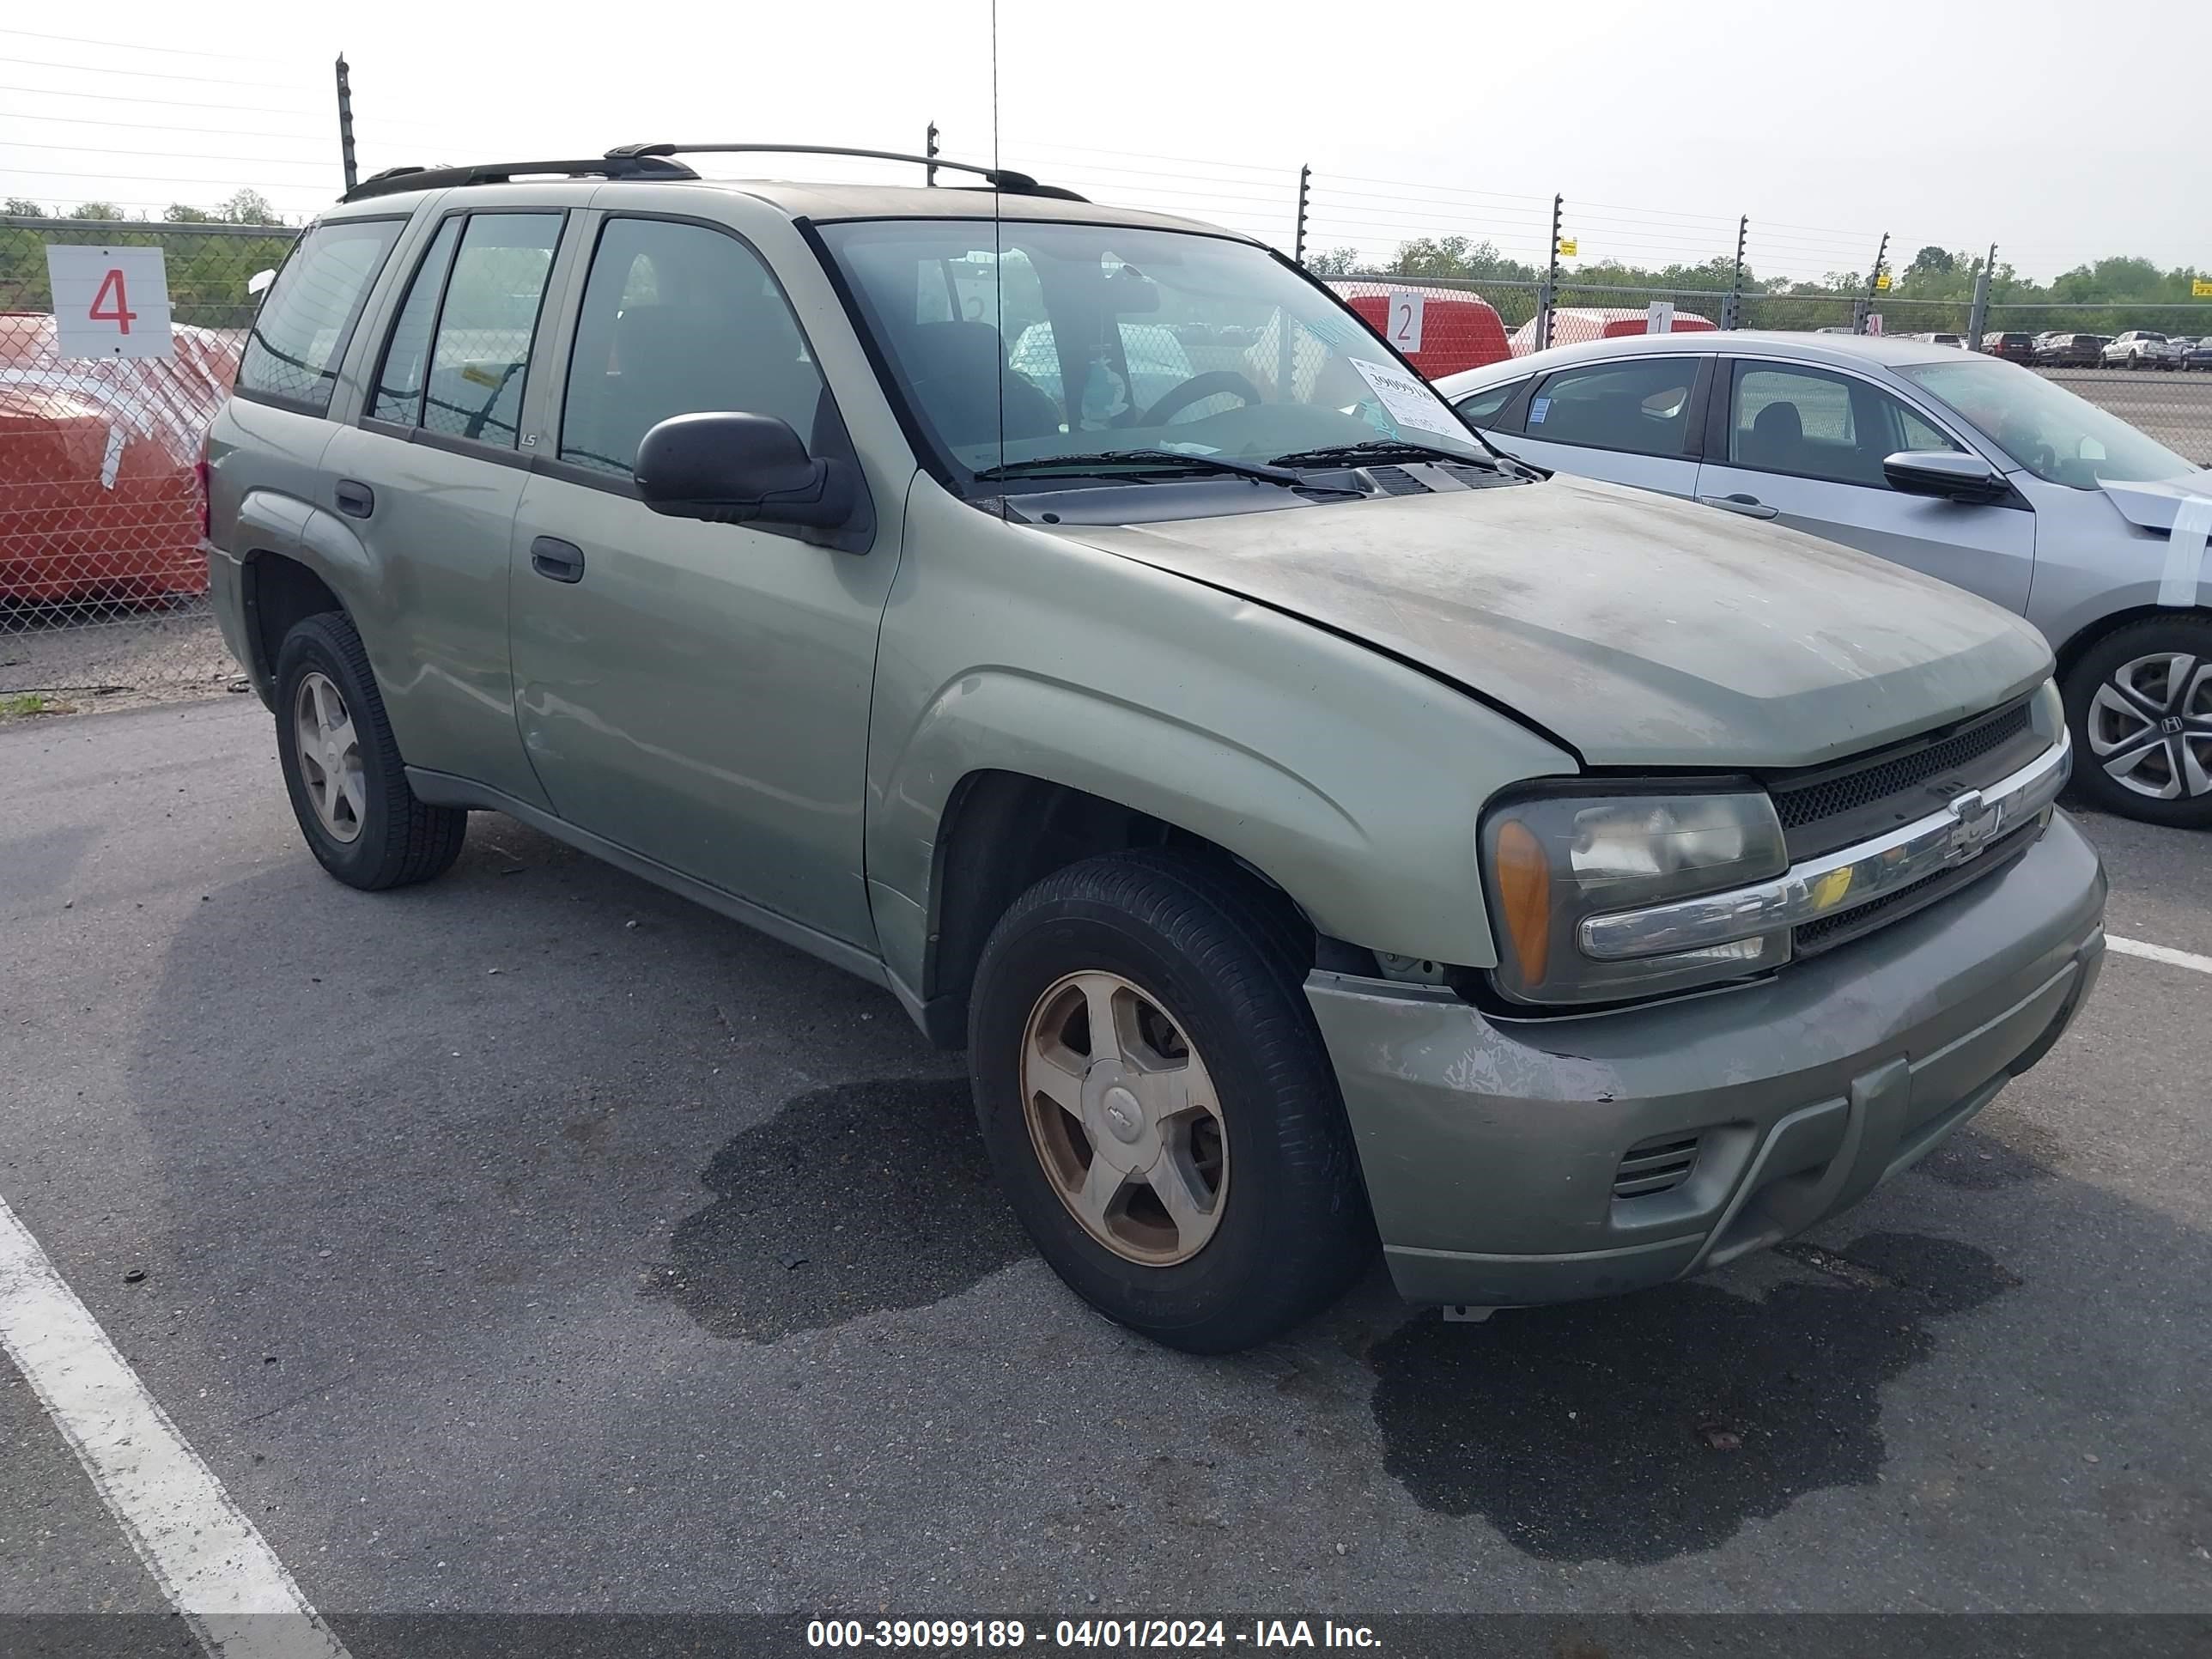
(342, 767)
(2141, 703)
(1158, 1103)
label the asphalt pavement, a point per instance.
(536, 1241)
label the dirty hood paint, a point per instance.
(1643, 631)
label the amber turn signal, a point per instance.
(1524, 890)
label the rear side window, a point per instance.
(1642, 407)
(1481, 408)
(678, 320)
(481, 351)
(399, 382)
(291, 352)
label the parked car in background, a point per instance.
(1982, 473)
(2068, 350)
(1573, 324)
(1303, 845)
(2012, 346)
(1954, 340)
(2139, 348)
(2199, 354)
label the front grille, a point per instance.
(1656, 1166)
(1829, 931)
(1834, 806)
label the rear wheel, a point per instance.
(2141, 703)
(342, 770)
(1158, 1103)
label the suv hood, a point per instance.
(1642, 631)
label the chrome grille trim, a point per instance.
(1841, 881)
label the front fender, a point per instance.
(1352, 780)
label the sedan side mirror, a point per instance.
(729, 468)
(1948, 473)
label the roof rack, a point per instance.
(1001, 179)
(392, 181)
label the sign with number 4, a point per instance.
(110, 301)
(1406, 322)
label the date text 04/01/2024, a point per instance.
(1086, 1633)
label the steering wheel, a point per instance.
(1198, 389)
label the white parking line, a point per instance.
(210, 1561)
(2165, 953)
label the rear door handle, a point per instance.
(357, 500)
(1750, 506)
(562, 561)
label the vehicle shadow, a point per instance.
(851, 1200)
(1637, 1428)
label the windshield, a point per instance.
(2044, 427)
(1083, 340)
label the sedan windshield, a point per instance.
(1017, 342)
(2044, 427)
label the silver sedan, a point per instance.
(1972, 469)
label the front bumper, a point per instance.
(1491, 1148)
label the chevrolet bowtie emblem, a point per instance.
(1977, 823)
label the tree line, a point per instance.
(207, 274)
(1933, 291)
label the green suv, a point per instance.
(1315, 825)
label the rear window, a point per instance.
(292, 353)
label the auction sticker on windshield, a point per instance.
(1405, 400)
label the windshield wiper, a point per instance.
(1378, 449)
(1156, 459)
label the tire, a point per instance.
(1211, 957)
(2120, 698)
(371, 832)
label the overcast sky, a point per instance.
(2047, 131)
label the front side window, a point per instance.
(1641, 406)
(291, 352)
(1813, 424)
(485, 328)
(1015, 343)
(2059, 437)
(678, 320)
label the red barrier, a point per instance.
(99, 494)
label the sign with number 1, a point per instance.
(109, 302)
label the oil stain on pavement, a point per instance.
(850, 1200)
(1639, 1428)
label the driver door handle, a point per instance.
(1750, 506)
(562, 561)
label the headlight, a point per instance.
(1553, 860)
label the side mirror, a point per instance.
(1946, 473)
(729, 468)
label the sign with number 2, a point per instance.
(1406, 322)
(109, 302)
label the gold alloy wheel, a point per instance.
(1124, 1118)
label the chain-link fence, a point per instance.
(2161, 384)
(102, 578)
